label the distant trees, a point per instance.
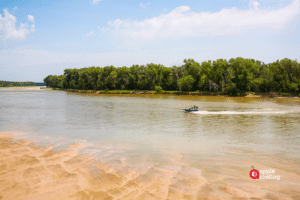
(17, 84)
(244, 72)
(186, 82)
(221, 75)
(235, 77)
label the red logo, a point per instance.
(254, 174)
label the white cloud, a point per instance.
(254, 4)
(104, 29)
(182, 22)
(43, 61)
(90, 33)
(96, 1)
(9, 29)
(32, 28)
(15, 8)
(143, 5)
(117, 23)
(31, 18)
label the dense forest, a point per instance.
(19, 84)
(234, 77)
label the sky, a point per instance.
(40, 38)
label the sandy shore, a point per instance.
(252, 95)
(23, 88)
(30, 172)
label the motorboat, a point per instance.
(192, 109)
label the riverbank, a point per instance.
(248, 94)
(28, 171)
(24, 88)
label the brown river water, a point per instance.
(151, 149)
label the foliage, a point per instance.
(158, 89)
(18, 84)
(186, 82)
(234, 77)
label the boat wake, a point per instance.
(239, 113)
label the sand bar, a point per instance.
(24, 88)
(31, 172)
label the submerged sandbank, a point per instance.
(28, 171)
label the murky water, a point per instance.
(224, 138)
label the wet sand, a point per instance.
(28, 171)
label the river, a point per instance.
(149, 132)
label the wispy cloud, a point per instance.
(15, 8)
(96, 1)
(31, 18)
(142, 5)
(254, 4)
(32, 28)
(90, 33)
(9, 29)
(118, 22)
(182, 22)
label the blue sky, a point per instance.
(39, 37)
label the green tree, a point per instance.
(206, 72)
(158, 89)
(123, 77)
(47, 81)
(177, 74)
(168, 80)
(186, 82)
(191, 67)
(134, 72)
(111, 80)
(221, 72)
(244, 72)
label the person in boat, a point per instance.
(192, 107)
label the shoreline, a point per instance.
(24, 88)
(208, 94)
(28, 171)
(143, 92)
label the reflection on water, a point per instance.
(154, 129)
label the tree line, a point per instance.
(19, 84)
(234, 77)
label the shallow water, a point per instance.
(151, 132)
